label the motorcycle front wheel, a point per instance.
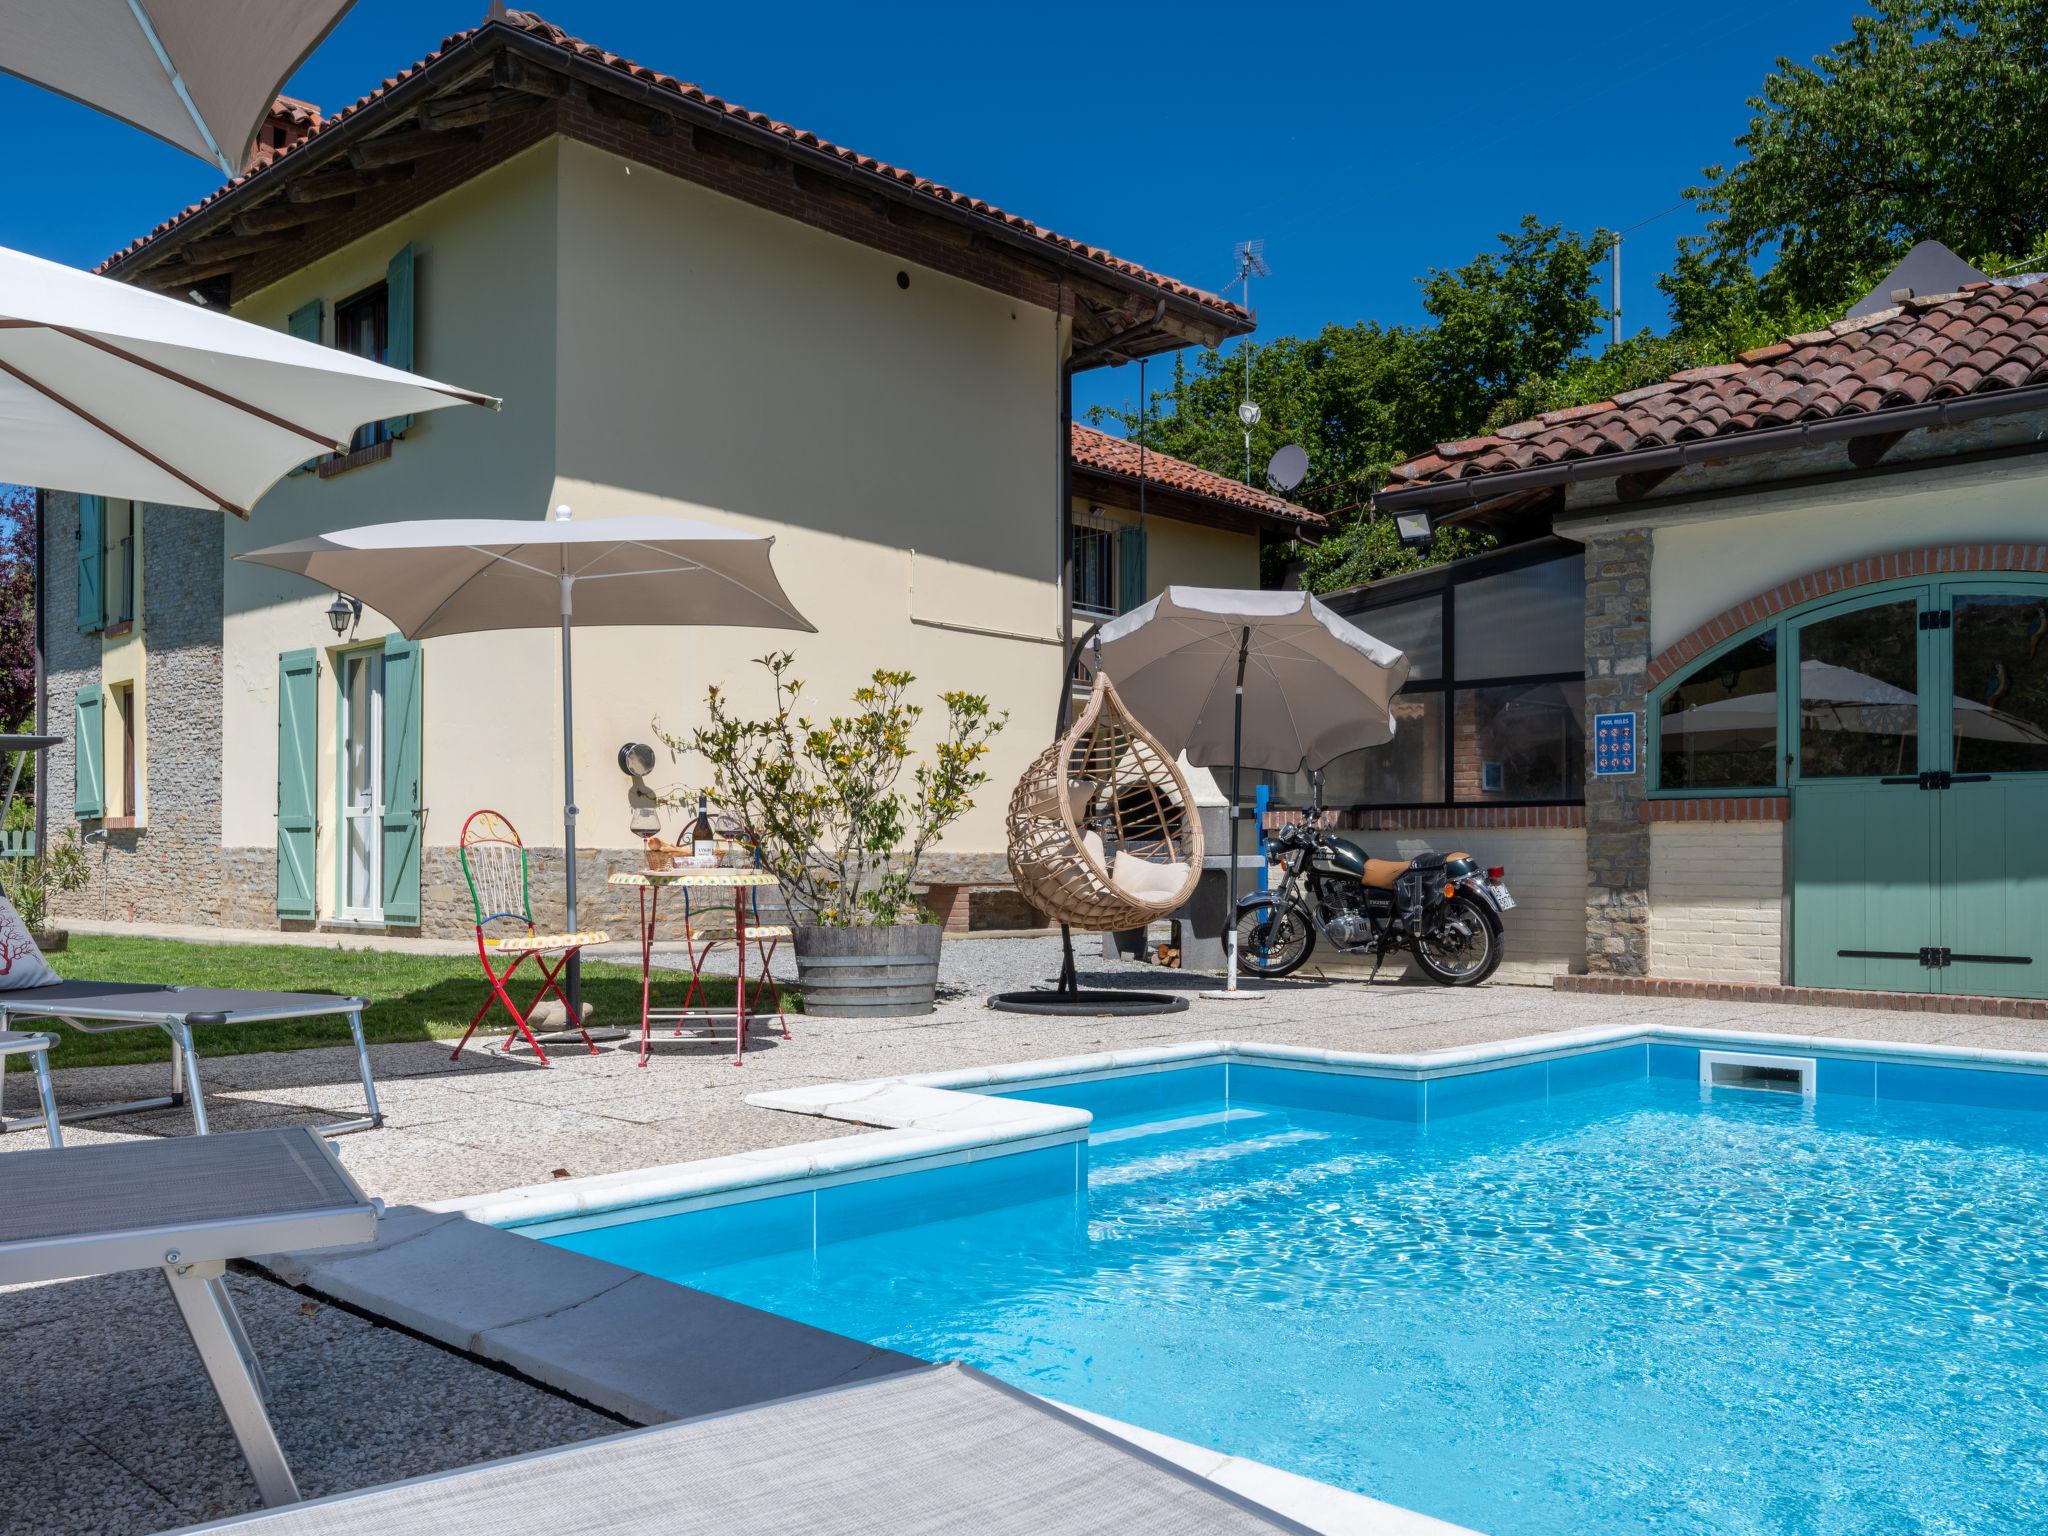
(1465, 946)
(1273, 941)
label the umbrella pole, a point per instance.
(569, 797)
(1244, 642)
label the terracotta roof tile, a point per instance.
(1119, 456)
(1988, 337)
(533, 26)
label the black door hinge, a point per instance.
(1934, 957)
(1937, 618)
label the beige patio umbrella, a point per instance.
(111, 391)
(198, 74)
(1252, 679)
(458, 576)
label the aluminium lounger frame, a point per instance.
(101, 1007)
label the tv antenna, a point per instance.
(1249, 258)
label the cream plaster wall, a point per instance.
(1707, 561)
(485, 269)
(1717, 901)
(1188, 554)
(900, 443)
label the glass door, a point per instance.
(1993, 829)
(1863, 845)
(362, 784)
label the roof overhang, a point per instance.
(1121, 490)
(1642, 470)
(501, 70)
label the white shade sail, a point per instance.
(111, 391)
(198, 74)
(1315, 685)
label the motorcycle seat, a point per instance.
(1381, 874)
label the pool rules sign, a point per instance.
(1614, 745)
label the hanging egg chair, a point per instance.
(1103, 836)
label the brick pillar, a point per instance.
(1617, 837)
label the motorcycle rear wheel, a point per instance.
(1273, 941)
(1471, 961)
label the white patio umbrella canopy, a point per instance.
(1271, 680)
(198, 74)
(111, 391)
(457, 576)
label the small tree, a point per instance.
(822, 796)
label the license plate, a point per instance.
(1501, 898)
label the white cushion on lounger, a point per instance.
(21, 963)
(1143, 880)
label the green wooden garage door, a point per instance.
(1919, 775)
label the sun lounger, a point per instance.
(942, 1450)
(186, 1205)
(95, 1007)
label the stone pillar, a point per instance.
(1617, 837)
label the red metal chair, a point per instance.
(494, 863)
(706, 928)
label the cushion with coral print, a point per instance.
(21, 963)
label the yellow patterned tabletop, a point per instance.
(726, 879)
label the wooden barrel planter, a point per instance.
(868, 973)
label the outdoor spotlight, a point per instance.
(343, 614)
(1414, 529)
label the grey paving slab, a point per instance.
(652, 1351)
(2002, 1034)
(452, 1279)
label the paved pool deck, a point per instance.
(114, 1429)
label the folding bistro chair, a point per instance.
(710, 924)
(494, 863)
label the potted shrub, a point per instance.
(29, 884)
(836, 825)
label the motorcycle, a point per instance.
(1444, 910)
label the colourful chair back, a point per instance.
(494, 864)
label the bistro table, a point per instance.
(743, 883)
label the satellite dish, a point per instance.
(636, 759)
(1287, 468)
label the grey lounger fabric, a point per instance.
(123, 1205)
(147, 1003)
(939, 1452)
(178, 1181)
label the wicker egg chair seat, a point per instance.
(1103, 831)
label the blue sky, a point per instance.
(1363, 143)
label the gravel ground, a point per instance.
(115, 1430)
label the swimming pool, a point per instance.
(1587, 1294)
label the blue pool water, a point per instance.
(1592, 1301)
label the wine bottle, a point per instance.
(703, 841)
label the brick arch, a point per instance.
(1829, 581)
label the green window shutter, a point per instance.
(298, 705)
(1130, 569)
(398, 324)
(89, 754)
(403, 813)
(304, 323)
(92, 564)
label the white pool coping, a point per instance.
(939, 1119)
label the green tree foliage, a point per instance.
(17, 607)
(1927, 123)
(1361, 398)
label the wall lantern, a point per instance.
(343, 614)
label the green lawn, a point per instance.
(412, 997)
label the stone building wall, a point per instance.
(170, 868)
(1617, 836)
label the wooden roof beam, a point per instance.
(467, 111)
(393, 148)
(270, 216)
(328, 184)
